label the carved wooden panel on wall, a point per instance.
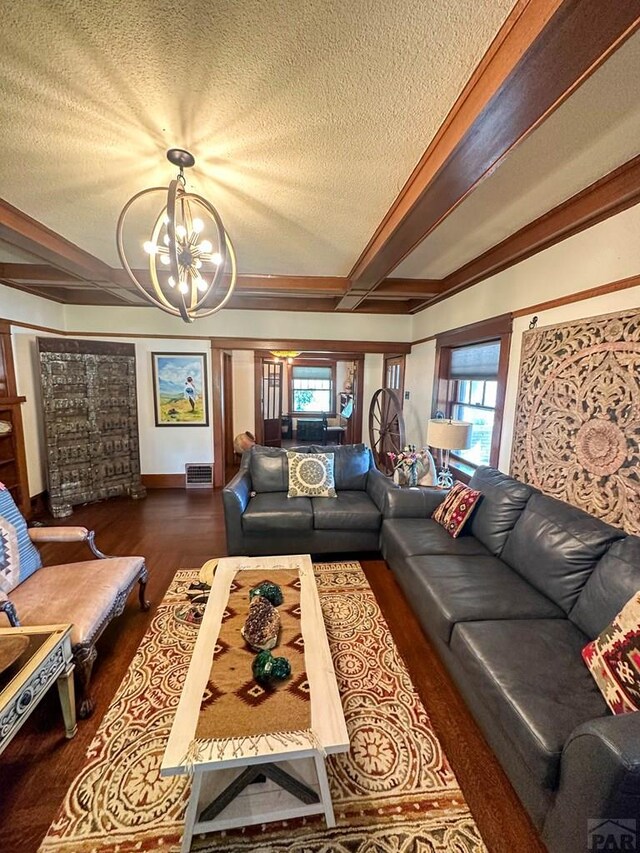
(577, 427)
(91, 421)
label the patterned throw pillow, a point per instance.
(613, 659)
(311, 475)
(19, 557)
(454, 511)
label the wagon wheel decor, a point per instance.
(386, 428)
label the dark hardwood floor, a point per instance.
(177, 529)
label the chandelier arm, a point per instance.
(226, 251)
(175, 188)
(153, 272)
(232, 259)
(123, 258)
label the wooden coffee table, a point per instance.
(291, 778)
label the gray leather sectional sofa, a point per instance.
(261, 519)
(509, 606)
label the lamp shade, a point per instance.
(449, 435)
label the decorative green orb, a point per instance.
(270, 591)
(267, 669)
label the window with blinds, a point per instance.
(311, 389)
(473, 378)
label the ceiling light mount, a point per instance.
(181, 158)
(191, 264)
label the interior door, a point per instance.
(272, 403)
(394, 374)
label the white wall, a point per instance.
(241, 324)
(607, 252)
(244, 413)
(25, 308)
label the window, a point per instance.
(311, 389)
(471, 379)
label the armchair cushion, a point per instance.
(88, 592)
(18, 556)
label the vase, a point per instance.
(412, 475)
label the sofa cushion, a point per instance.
(455, 510)
(512, 666)
(19, 558)
(556, 546)
(350, 510)
(613, 581)
(503, 500)
(275, 511)
(409, 536)
(613, 659)
(81, 593)
(310, 475)
(269, 469)
(448, 589)
(351, 465)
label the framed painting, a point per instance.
(180, 388)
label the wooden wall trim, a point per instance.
(163, 481)
(483, 330)
(316, 345)
(557, 60)
(606, 197)
(580, 296)
(217, 405)
(570, 298)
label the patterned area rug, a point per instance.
(394, 792)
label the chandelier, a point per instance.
(280, 354)
(190, 267)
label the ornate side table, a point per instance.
(46, 659)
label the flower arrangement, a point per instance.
(406, 462)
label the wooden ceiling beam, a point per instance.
(405, 288)
(545, 50)
(607, 196)
(19, 229)
(37, 273)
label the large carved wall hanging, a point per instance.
(91, 421)
(577, 426)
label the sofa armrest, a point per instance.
(414, 503)
(235, 498)
(7, 606)
(599, 780)
(378, 488)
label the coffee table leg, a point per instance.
(67, 696)
(191, 814)
(325, 792)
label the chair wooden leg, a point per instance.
(144, 604)
(84, 658)
(144, 577)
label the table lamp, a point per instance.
(447, 435)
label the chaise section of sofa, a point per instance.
(510, 605)
(261, 519)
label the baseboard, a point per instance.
(163, 481)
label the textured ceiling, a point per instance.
(305, 118)
(593, 132)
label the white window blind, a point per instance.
(302, 372)
(478, 361)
